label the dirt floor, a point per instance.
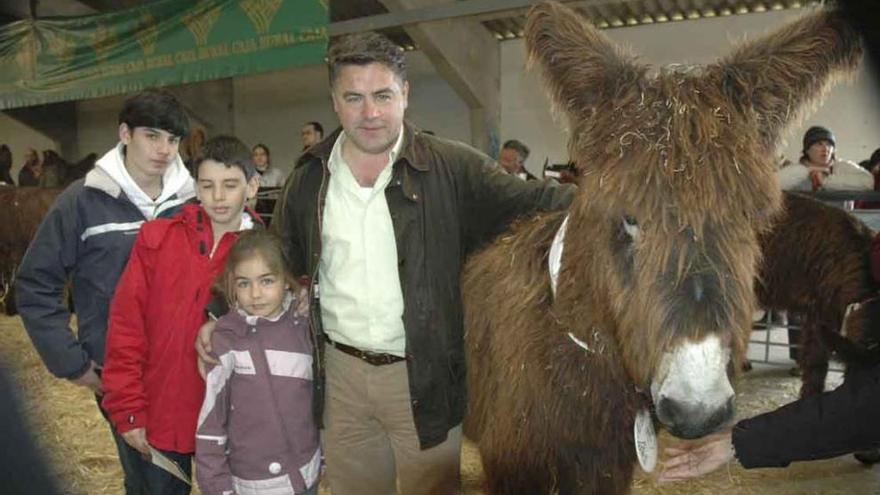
(79, 445)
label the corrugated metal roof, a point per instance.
(605, 14)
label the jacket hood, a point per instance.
(111, 176)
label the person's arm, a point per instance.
(39, 290)
(818, 427)
(848, 176)
(125, 398)
(494, 198)
(212, 462)
(794, 177)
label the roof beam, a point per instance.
(468, 57)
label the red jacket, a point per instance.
(150, 375)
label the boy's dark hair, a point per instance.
(155, 108)
(317, 126)
(519, 147)
(364, 49)
(228, 150)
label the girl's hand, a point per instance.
(698, 457)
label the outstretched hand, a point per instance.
(695, 458)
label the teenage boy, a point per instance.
(86, 238)
(152, 388)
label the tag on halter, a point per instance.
(645, 440)
(554, 260)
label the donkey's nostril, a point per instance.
(670, 412)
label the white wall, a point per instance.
(851, 111)
(97, 129)
(272, 107)
(19, 138)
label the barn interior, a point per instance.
(470, 81)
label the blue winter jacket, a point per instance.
(86, 238)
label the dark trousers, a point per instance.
(141, 476)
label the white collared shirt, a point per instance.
(361, 298)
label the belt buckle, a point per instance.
(375, 358)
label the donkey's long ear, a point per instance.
(580, 65)
(776, 76)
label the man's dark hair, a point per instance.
(155, 108)
(519, 147)
(318, 127)
(228, 150)
(364, 49)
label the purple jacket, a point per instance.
(256, 433)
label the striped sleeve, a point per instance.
(212, 463)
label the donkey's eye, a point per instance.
(631, 226)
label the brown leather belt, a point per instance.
(374, 358)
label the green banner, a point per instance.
(161, 43)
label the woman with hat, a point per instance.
(820, 168)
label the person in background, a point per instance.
(5, 166)
(312, 134)
(192, 146)
(820, 169)
(29, 175)
(265, 348)
(512, 159)
(872, 165)
(54, 170)
(269, 176)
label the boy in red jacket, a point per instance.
(152, 388)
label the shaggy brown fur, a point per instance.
(816, 263)
(686, 155)
(23, 210)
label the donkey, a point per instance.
(816, 263)
(654, 295)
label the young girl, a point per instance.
(256, 432)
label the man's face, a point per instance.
(148, 151)
(310, 136)
(370, 101)
(509, 160)
(223, 192)
(820, 152)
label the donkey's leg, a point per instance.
(505, 474)
(591, 471)
(814, 358)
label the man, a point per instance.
(512, 159)
(87, 236)
(381, 217)
(312, 134)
